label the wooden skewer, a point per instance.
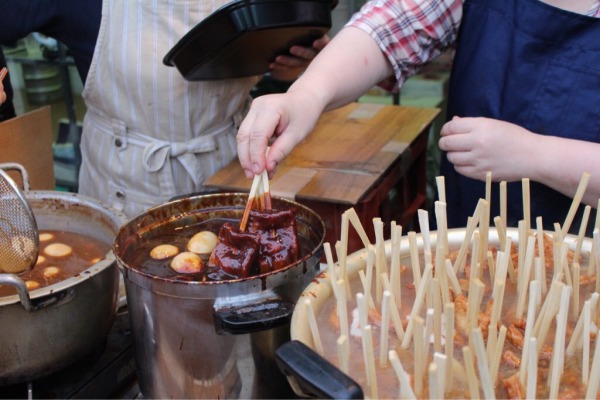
(369, 355)
(437, 315)
(472, 381)
(541, 255)
(3, 73)
(442, 364)
(524, 277)
(453, 280)
(256, 182)
(546, 318)
(441, 187)
(474, 303)
(503, 203)
(433, 381)
(585, 359)
(385, 323)
(414, 258)
(419, 354)
(497, 355)
(314, 328)
(380, 259)
(363, 316)
(395, 276)
(441, 250)
(526, 204)
(449, 344)
(558, 358)
(424, 226)
(420, 296)
(343, 353)
(482, 363)
(592, 388)
(406, 391)
(342, 307)
(534, 288)
(575, 203)
(581, 234)
(355, 221)
(532, 365)
(394, 311)
(575, 303)
(471, 225)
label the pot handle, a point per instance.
(310, 375)
(253, 318)
(30, 304)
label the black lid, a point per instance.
(241, 38)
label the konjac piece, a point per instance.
(235, 252)
(278, 238)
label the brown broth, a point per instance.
(86, 251)
(388, 386)
(142, 261)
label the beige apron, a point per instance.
(148, 134)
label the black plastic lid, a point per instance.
(241, 38)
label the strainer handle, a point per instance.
(19, 284)
(21, 169)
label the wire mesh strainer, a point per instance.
(19, 239)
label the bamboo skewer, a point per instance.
(575, 203)
(355, 221)
(526, 205)
(369, 355)
(532, 365)
(314, 328)
(503, 203)
(452, 276)
(418, 354)
(471, 225)
(497, 355)
(424, 226)
(405, 391)
(441, 187)
(441, 362)
(395, 277)
(433, 381)
(585, 359)
(385, 323)
(581, 233)
(437, 315)
(472, 381)
(557, 364)
(414, 258)
(394, 312)
(534, 288)
(482, 363)
(343, 353)
(575, 303)
(449, 344)
(3, 73)
(541, 255)
(256, 182)
(420, 295)
(524, 277)
(592, 388)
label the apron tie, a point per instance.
(157, 153)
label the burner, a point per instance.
(108, 372)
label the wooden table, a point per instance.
(371, 157)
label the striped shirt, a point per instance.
(413, 32)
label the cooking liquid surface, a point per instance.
(85, 251)
(388, 386)
(179, 237)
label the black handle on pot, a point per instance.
(253, 318)
(310, 375)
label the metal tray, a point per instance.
(241, 38)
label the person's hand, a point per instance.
(286, 67)
(478, 145)
(288, 118)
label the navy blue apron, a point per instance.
(534, 65)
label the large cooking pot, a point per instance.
(313, 376)
(212, 339)
(52, 327)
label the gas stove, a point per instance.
(108, 372)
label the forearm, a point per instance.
(560, 164)
(345, 69)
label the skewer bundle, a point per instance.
(510, 311)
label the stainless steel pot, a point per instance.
(212, 339)
(50, 328)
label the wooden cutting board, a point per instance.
(27, 140)
(350, 149)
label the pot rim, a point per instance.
(252, 280)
